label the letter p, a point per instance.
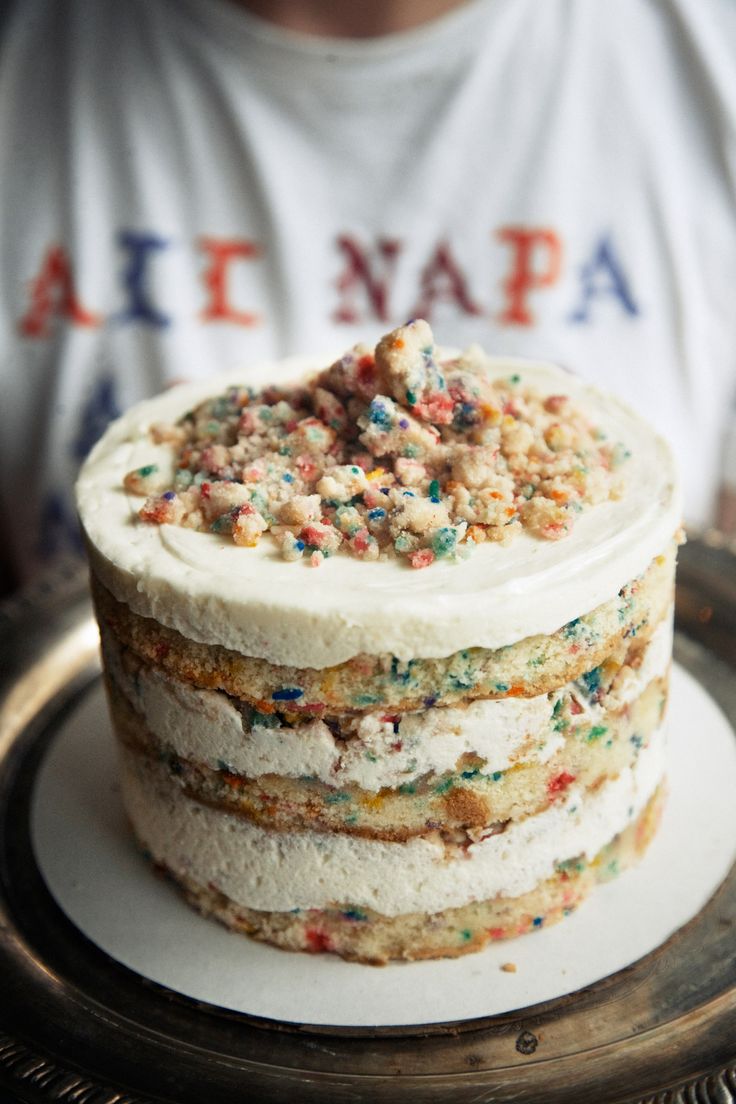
(535, 263)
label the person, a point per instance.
(190, 186)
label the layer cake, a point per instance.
(386, 642)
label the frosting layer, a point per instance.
(251, 601)
(280, 871)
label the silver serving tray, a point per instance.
(77, 1026)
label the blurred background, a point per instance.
(191, 186)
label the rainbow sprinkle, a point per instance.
(386, 453)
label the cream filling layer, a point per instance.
(252, 601)
(279, 871)
(655, 663)
(204, 726)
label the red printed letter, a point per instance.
(441, 278)
(221, 251)
(527, 273)
(52, 293)
(358, 273)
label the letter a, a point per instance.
(442, 278)
(603, 263)
(52, 293)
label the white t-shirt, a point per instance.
(186, 189)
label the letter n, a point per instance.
(359, 273)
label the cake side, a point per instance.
(363, 777)
(363, 935)
(529, 667)
(237, 870)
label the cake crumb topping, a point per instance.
(387, 452)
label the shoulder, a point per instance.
(61, 34)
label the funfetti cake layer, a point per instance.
(375, 750)
(363, 935)
(301, 777)
(453, 724)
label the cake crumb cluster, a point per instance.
(387, 452)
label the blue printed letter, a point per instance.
(603, 275)
(140, 308)
(97, 413)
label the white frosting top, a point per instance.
(204, 726)
(283, 870)
(256, 603)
